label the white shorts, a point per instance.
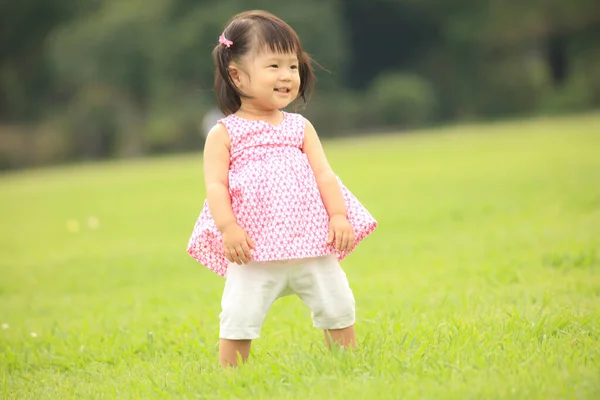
(251, 289)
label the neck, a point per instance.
(250, 112)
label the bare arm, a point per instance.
(326, 178)
(216, 176)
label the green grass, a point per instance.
(482, 280)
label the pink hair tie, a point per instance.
(225, 42)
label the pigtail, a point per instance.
(307, 77)
(228, 98)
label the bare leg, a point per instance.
(230, 350)
(342, 337)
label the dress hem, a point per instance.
(203, 253)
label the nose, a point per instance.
(286, 75)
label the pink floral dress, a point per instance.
(274, 197)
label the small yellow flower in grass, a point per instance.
(93, 223)
(33, 334)
(73, 226)
(5, 326)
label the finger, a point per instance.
(242, 254)
(330, 235)
(342, 241)
(250, 241)
(351, 241)
(346, 242)
(339, 236)
(246, 250)
(238, 256)
(228, 255)
(232, 255)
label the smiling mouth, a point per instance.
(283, 90)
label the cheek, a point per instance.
(267, 77)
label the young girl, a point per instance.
(276, 219)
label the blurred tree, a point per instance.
(112, 49)
(386, 34)
(157, 56)
(470, 50)
(132, 76)
(25, 73)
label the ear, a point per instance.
(234, 72)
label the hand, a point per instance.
(341, 233)
(237, 244)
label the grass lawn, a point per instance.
(482, 280)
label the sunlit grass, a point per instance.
(482, 280)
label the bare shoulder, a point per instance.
(218, 130)
(311, 143)
(310, 133)
(308, 124)
(218, 135)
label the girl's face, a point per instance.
(272, 79)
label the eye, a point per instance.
(294, 67)
(273, 66)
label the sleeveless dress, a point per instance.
(274, 197)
